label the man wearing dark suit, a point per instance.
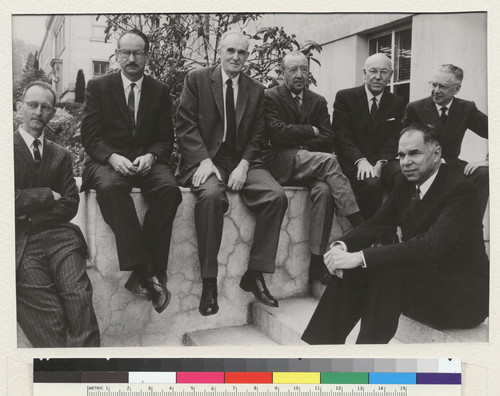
(366, 124)
(220, 130)
(452, 117)
(438, 275)
(301, 146)
(54, 294)
(128, 134)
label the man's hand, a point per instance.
(338, 259)
(365, 169)
(238, 176)
(377, 169)
(121, 165)
(56, 195)
(204, 171)
(316, 131)
(144, 163)
(471, 167)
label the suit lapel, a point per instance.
(118, 93)
(241, 101)
(431, 115)
(47, 156)
(306, 105)
(426, 205)
(217, 90)
(287, 97)
(454, 113)
(25, 153)
(363, 105)
(147, 93)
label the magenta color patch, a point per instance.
(200, 378)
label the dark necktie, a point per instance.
(415, 199)
(131, 104)
(230, 116)
(374, 109)
(443, 117)
(298, 103)
(36, 153)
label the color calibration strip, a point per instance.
(249, 371)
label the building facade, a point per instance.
(74, 42)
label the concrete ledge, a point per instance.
(125, 320)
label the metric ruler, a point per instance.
(247, 377)
(50, 389)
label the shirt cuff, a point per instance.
(362, 258)
(341, 243)
(356, 162)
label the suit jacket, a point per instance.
(107, 127)
(443, 231)
(35, 207)
(200, 119)
(357, 136)
(287, 131)
(462, 115)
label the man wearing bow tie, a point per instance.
(452, 117)
(438, 275)
(128, 135)
(366, 123)
(54, 294)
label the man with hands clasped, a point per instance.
(438, 275)
(128, 134)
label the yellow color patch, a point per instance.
(296, 378)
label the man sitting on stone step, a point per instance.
(301, 139)
(438, 275)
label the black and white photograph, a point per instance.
(232, 179)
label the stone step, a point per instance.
(236, 335)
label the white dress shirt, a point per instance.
(28, 139)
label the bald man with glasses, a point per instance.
(452, 117)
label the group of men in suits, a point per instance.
(234, 135)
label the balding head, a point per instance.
(233, 52)
(378, 72)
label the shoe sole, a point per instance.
(137, 294)
(162, 308)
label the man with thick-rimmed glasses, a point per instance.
(452, 117)
(128, 134)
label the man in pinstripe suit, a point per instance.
(54, 294)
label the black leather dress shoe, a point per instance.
(159, 293)
(257, 286)
(208, 300)
(318, 271)
(138, 286)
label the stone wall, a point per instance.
(125, 320)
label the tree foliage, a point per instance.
(180, 42)
(31, 72)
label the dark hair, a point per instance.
(137, 33)
(42, 84)
(429, 133)
(455, 70)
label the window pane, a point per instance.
(403, 55)
(381, 44)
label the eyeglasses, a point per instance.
(45, 107)
(442, 87)
(383, 72)
(125, 54)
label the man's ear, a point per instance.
(437, 153)
(19, 105)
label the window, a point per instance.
(100, 68)
(98, 27)
(396, 44)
